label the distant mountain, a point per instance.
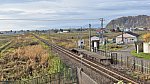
(141, 21)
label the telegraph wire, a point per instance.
(47, 20)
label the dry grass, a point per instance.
(146, 37)
(35, 53)
(23, 62)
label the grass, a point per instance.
(69, 40)
(28, 53)
(111, 47)
(141, 55)
(66, 40)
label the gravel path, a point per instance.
(127, 52)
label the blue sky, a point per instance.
(66, 9)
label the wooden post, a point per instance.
(116, 59)
(127, 61)
(59, 78)
(142, 69)
(134, 63)
(121, 61)
(148, 67)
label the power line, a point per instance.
(47, 20)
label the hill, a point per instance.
(140, 21)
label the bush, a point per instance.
(34, 43)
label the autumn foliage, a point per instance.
(146, 37)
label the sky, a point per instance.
(65, 11)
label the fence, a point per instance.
(68, 76)
(129, 63)
(134, 64)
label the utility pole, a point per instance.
(80, 41)
(122, 36)
(105, 47)
(90, 36)
(50, 39)
(101, 32)
(113, 24)
(102, 21)
(80, 33)
(49, 34)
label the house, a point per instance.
(128, 37)
(63, 32)
(127, 29)
(101, 37)
(101, 30)
(11, 32)
(142, 29)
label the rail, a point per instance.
(97, 67)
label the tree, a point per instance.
(55, 31)
(112, 30)
(146, 37)
(118, 29)
(69, 30)
(61, 30)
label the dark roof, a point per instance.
(101, 29)
(134, 34)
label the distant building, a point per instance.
(127, 29)
(101, 30)
(11, 32)
(140, 29)
(128, 37)
(63, 32)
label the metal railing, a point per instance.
(69, 76)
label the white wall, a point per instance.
(84, 78)
(146, 47)
(126, 39)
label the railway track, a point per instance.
(112, 74)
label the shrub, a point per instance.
(146, 37)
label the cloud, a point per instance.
(67, 9)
